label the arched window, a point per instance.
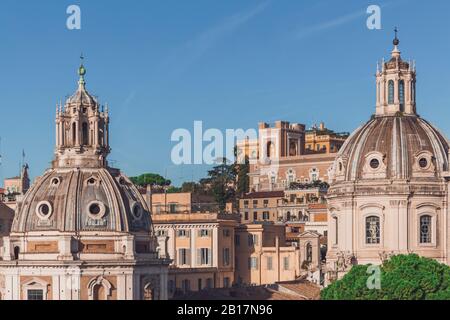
(391, 92)
(85, 133)
(373, 230)
(270, 149)
(148, 292)
(309, 256)
(74, 133)
(401, 95)
(16, 253)
(99, 289)
(336, 229)
(100, 137)
(99, 292)
(425, 229)
(288, 216)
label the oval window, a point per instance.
(374, 163)
(94, 209)
(44, 210)
(423, 163)
(137, 211)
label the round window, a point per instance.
(374, 163)
(91, 181)
(44, 210)
(96, 209)
(423, 163)
(55, 181)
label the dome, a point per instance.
(81, 97)
(72, 200)
(393, 147)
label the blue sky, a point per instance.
(161, 65)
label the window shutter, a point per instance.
(199, 257)
(188, 256)
(209, 257)
(180, 257)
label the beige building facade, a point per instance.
(201, 248)
(263, 256)
(389, 191)
(285, 153)
(83, 230)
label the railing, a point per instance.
(174, 208)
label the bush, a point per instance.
(403, 277)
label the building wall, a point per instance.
(66, 282)
(268, 243)
(254, 207)
(219, 241)
(171, 202)
(399, 228)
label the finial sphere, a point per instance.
(81, 71)
(396, 42)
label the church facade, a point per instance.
(83, 231)
(390, 192)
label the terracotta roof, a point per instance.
(305, 289)
(240, 293)
(264, 194)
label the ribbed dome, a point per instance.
(71, 200)
(81, 98)
(393, 147)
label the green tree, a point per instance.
(243, 181)
(403, 277)
(221, 183)
(173, 189)
(150, 178)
